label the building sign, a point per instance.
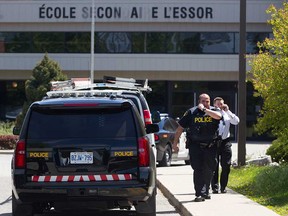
(113, 11)
(120, 13)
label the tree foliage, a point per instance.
(36, 87)
(269, 74)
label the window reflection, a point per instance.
(218, 42)
(114, 42)
(77, 42)
(129, 42)
(190, 42)
(252, 39)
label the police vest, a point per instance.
(202, 127)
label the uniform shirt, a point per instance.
(224, 126)
(200, 126)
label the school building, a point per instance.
(184, 47)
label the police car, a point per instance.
(119, 87)
(82, 152)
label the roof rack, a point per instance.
(81, 93)
(76, 84)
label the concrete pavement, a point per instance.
(176, 183)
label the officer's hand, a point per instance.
(175, 147)
(225, 107)
(200, 106)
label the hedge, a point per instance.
(8, 141)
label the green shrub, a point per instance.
(6, 128)
(8, 141)
(279, 150)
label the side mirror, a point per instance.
(16, 130)
(152, 128)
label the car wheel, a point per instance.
(20, 209)
(147, 208)
(187, 162)
(167, 157)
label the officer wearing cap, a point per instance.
(224, 153)
(201, 123)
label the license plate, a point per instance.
(81, 157)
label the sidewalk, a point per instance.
(176, 183)
(6, 151)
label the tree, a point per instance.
(37, 86)
(269, 75)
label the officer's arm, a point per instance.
(214, 114)
(178, 133)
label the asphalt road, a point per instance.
(163, 207)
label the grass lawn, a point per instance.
(266, 185)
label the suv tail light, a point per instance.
(20, 154)
(147, 117)
(143, 150)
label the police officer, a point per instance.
(224, 153)
(201, 123)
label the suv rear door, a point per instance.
(78, 142)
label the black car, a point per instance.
(164, 140)
(83, 153)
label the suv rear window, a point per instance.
(81, 123)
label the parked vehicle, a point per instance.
(118, 87)
(83, 152)
(12, 114)
(164, 140)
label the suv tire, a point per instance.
(20, 209)
(147, 208)
(167, 157)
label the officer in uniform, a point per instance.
(224, 153)
(201, 123)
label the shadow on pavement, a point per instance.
(7, 200)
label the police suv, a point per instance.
(81, 152)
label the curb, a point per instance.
(172, 199)
(6, 151)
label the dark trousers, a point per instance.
(224, 156)
(203, 162)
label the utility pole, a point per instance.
(92, 43)
(242, 87)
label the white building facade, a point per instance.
(183, 47)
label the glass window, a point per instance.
(252, 39)
(173, 44)
(156, 42)
(174, 124)
(78, 42)
(190, 42)
(81, 123)
(113, 42)
(51, 42)
(138, 44)
(218, 42)
(15, 42)
(129, 42)
(167, 125)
